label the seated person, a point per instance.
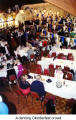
(2, 57)
(59, 73)
(24, 85)
(24, 59)
(44, 43)
(37, 52)
(10, 71)
(30, 52)
(2, 49)
(4, 108)
(37, 86)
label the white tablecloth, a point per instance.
(3, 72)
(66, 91)
(22, 51)
(47, 61)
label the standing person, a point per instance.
(30, 52)
(10, 43)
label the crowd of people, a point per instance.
(39, 38)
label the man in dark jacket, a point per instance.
(37, 86)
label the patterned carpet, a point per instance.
(26, 107)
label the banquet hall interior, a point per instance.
(38, 47)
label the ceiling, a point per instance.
(67, 5)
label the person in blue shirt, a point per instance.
(74, 42)
(69, 29)
(62, 39)
(3, 108)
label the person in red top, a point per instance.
(44, 43)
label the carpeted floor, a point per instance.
(24, 107)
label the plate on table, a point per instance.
(49, 80)
(58, 84)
